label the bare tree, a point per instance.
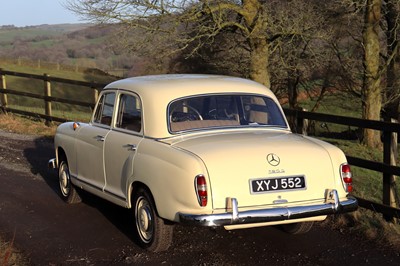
(300, 56)
(202, 19)
(380, 31)
(244, 35)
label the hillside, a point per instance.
(8, 34)
(82, 45)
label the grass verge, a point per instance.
(22, 125)
(9, 255)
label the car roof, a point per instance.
(180, 85)
(156, 92)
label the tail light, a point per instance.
(201, 190)
(347, 178)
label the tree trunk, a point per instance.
(392, 106)
(371, 93)
(259, 57)
(256, 22)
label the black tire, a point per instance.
(152, 232)
(67, 190)
(297, 228)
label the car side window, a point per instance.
(129, 113)
(105, 107)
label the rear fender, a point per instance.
(171, 169)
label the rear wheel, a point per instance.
(152, 232)
(297, 228)
(67, 189)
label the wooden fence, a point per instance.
(46, 96)
(387, 168)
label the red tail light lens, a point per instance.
(201, 190)
(347, 177)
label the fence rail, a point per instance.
(46, 96)
(386, 167)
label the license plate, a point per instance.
(277, 184)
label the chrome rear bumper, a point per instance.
(332, 205)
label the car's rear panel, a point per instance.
(250, 165)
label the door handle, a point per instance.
(131, 147)
(100, 138)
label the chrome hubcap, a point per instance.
(64, 180)
(144, 220)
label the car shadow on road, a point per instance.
(121, 218)
(38, 156)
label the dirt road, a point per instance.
(94, 232)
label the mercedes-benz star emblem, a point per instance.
(273, 159)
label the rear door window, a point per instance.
(129, 113)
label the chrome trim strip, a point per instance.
(83, 182)
(114, 195)
(270, 215)
(105, 191)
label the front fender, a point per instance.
(65, 141)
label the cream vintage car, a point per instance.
(200, 150)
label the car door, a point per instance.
(122, 143)
(90, 143)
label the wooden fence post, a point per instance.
(4, 100)
(393, 161)
(47, 101)
(95, 94)
(390, 196)
(300, 124)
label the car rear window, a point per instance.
(212, 111)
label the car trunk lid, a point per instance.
(249, 165)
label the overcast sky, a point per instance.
(22, 13)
